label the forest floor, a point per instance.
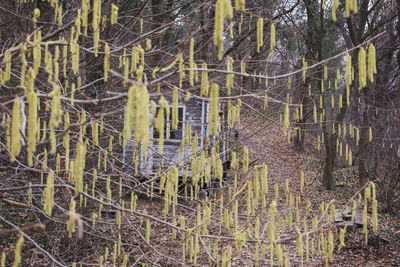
(267, 144)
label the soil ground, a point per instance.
(267, 144)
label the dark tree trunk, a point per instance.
(311, 55)
(329, 180)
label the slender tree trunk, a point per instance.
(299, 137)
(329, 180)
(364, 144)
(312, 48)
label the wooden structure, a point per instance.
(193, 120)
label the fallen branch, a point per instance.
(15, 203)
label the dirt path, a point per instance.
(267, 144)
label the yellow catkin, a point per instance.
(240, 5)
(374, 215)
(240, 24)
(229, 76)
(55, 115)
(218, 28)
(148, 231)
(16, 129)
(36, 15)
(138, 100)
(286, 122)
(304, 71)
(299, 244)
(106, 61)
(58, 15)
(125, 63)
(48, 61)
(48, 194)
(134, 60)
(260, 34)
(362, 69)
(172, 64)
(114, 256)
(71, 218)
(204, 86)
(370, 134)
(163, 111)
(7, 62)
(17, 252)
(64, 62)
(84, 18)
(78, 24)
(74, 49)
(55, 63)
(335, 5)
(114, 14)
(66, 139)
(266, 99)
(24, 64)
(354, 6)
(213, 113)
(175, 118)
(196, 73)
(330, 245)
(373, 192)
(223, 10)
(180, 69)
(191, 62)
(348, 78)
(341, 238)
(37, 51)
(3, 259)
(30, 81)
(118, 219)
(139, 75)
(73, 87)
(272, 39)
(32, 124)
(108, 189)
(350, 5)
(141, 118)
(148, 44)
(95, 133)
(364, 221)
(96, 24)
(125, 260)
(245, 159)
(315, 114)
(371, 62)
(350, 160)
(77, 166)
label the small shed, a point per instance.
(193, 120)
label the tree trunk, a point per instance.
(364, 145)
(299, 137)
(329, 179)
